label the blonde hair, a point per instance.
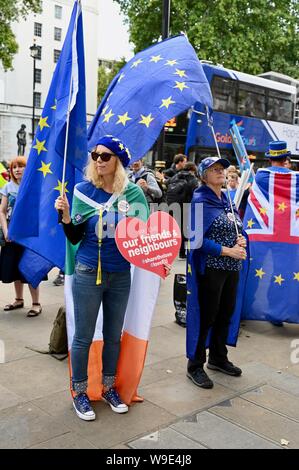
(120, 177)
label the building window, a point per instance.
(56, 55)
(224, 92)
(38, 76)
(57, 34)
(38, 29)
(39, 53)
(58, 12)
(37, 99)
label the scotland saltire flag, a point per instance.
(156, 85)
(272, 224)
(34, 222)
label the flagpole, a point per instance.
(60, 213)
(219, 155)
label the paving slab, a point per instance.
(109, 429)
(9, 399)
(163, 369)
(178, 395)
(35, 376)
(70, 440)
(26, 425)
(275, 400)
(261, 421)
(165, 439)
(217, 433)
(165, 344)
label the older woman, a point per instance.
(11, 253)
(212, 279)
(102, 275)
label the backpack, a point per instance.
(58, 337)
(176, 190)
(58, 345)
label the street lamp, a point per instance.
(33, 53)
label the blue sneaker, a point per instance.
(83, 408)
(113, 399)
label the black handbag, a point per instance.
(2, 239)
(180, 298)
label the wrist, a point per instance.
(225, 251)
(66, 219)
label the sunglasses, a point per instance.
(105, 156)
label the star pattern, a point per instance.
(171, 63)
(108, 116)
(156, 58)
(279, 279)
(282, 207)
(180, 85)
(260, 273)
(122, 119)
(167, 102)
(43, 123)
(40, 146)
(250, 223)
(45, 168)
(59, 187)
(296, 277)
(181, 73)
(146, 120)
(136, 63)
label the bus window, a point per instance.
(280, 107)
(251, 100)
(224, 92)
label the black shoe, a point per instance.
(200, 378)
(276, 323)
(225, 367)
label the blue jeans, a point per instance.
(114, 293)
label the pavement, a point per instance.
(260, 409)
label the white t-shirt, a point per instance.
(10, 190)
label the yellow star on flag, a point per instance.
(259, 273)
(167, 102)
(282, 206)
(105, 109)
(121, 146)
(45, 168)
(55, 105)
(136, 63)
(122, 75)
(39, 146)
(172, 63)
(181, 73)
(43, 123)
(296, 277)
(189, 269)
(180, 85)
(156, 58)
(59, 187)
(250, 223)
(146, 120)
(108, 116)
(122, 119)
(278, 279)
(262, 210)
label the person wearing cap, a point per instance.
(213, 268)
(278, 154)
(102, 275)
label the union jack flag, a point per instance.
(272, 224)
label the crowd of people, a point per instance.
(102, 275)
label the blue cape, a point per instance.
(196, 261)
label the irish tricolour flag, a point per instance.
(140, 309)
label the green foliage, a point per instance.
(11, 11)
(252, 36)
(105, 76)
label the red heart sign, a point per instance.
(149, 245)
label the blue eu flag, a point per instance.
(34, 221)
(156, 85)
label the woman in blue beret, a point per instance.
(213, 276)
(102, 275)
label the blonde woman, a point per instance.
(102, 275)
(11, 253)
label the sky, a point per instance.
(113, 34)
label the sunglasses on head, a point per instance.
(104, 156)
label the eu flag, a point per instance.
(34, 221)
(156, 85)
(272, 224)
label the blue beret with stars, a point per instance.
(117, 147)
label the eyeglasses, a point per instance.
(105, 156)
(217, 170)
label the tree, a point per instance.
(252, 36)
(11, 11)
(105, 76)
